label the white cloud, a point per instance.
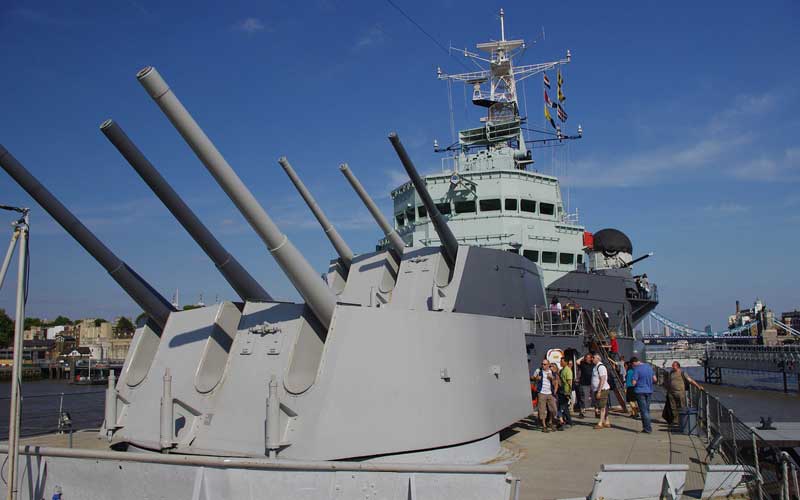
(373, 36)
(727, 208)
(250, 25)
(718, 143)
(778, 167)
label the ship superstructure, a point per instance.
(487, 188)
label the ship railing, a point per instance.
(450, 164)
(640, 294)
(767, 471)
(567, 322)
(573, 218)
(58, 412)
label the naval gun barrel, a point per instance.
(320, 299)
(345, 254)
(240, 280)
(449, 242)
(395, 241)
(638, 259)
(151, 302)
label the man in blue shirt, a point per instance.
(643, 378)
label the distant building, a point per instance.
(102, 340)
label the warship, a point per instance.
(493, 197)
(395, 375)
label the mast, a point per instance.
(495, 88)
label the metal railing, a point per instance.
(772, 472)
(550, 322)
(62, 412)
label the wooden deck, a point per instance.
(563, 464)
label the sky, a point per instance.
(690, 113)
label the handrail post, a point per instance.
(708, 418)
(759, 478)
(785, 476)
(733, 438)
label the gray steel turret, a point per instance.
(345, 254)
(151, 302)
(449, 242)
(320, 299)
(395, 241)
(240, 280)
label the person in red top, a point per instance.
(614, 346)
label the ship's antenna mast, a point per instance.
(502, 26)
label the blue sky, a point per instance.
(690, 114)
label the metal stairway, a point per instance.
(597, 337)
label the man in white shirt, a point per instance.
(600, 388)
(547, 385)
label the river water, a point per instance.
(42, 400)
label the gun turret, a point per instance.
(318, 296)
(151, 302)
(240, 280)
(345, 254)
(449, 242)
(395, 241)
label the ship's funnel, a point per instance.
(345, 254)
(151, 302)
(395, 241)
(317, 295)
(240, 280)
(449, 242)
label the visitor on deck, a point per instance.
(547, 387)
(630, 393)
(643, 378)
(564, 393)
(600, 388)
(555, 310)
(585, 367)
(645, 283)
(677, 383)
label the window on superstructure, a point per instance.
(532, 255)
(465, 207)
(401, 219)
(512, 250)
(422, 211)
(411, 216)
(549, 257)
(511, 204)
(444, 208)
(527, 206)
(491, 205)
(546, 208)
(566, 259)
(580, 258)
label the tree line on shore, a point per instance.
(123, 325)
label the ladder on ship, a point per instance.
(599, 339)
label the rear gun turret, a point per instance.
(318, 296)
(151, 302)
(240, 280)
(345, 254)
(395, 241)
(449, 242)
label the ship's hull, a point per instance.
(90, 474)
